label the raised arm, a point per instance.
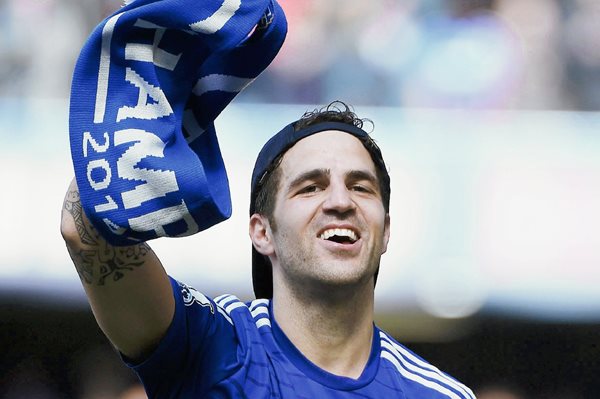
(127, 287)
(145, 150)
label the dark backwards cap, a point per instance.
(262, 275)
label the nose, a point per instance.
(339, 198)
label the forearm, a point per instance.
(127, 287)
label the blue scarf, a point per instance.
(147, 87)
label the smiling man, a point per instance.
(319, 223)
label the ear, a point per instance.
(260, 234)
(386, 233)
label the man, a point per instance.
(319, 224)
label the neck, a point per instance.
(335, 333)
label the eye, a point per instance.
(312, 188)
(361, 188)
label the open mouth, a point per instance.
(340, 236)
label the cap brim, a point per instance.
(262, 276)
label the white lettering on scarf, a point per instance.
(144, 110)
(217, 20)
(154, 183)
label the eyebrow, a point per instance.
(357, 175)
(314, 174)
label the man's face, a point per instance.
(330, 225)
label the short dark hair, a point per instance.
(336, 111)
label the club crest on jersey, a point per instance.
(192, 296)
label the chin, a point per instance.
(345, 275)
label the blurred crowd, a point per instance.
(96, 373)
(501, 54)
(526, 54)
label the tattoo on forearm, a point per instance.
(73, 206)
(100, 262)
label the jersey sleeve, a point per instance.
(199, 349)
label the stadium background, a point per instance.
(487, 112)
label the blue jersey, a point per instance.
(224, 348)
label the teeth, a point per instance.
(327, 234)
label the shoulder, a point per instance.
(251, 320)
(228, 306)
(422, 378)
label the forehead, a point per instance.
(332, 149)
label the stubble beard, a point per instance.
(307, 273)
